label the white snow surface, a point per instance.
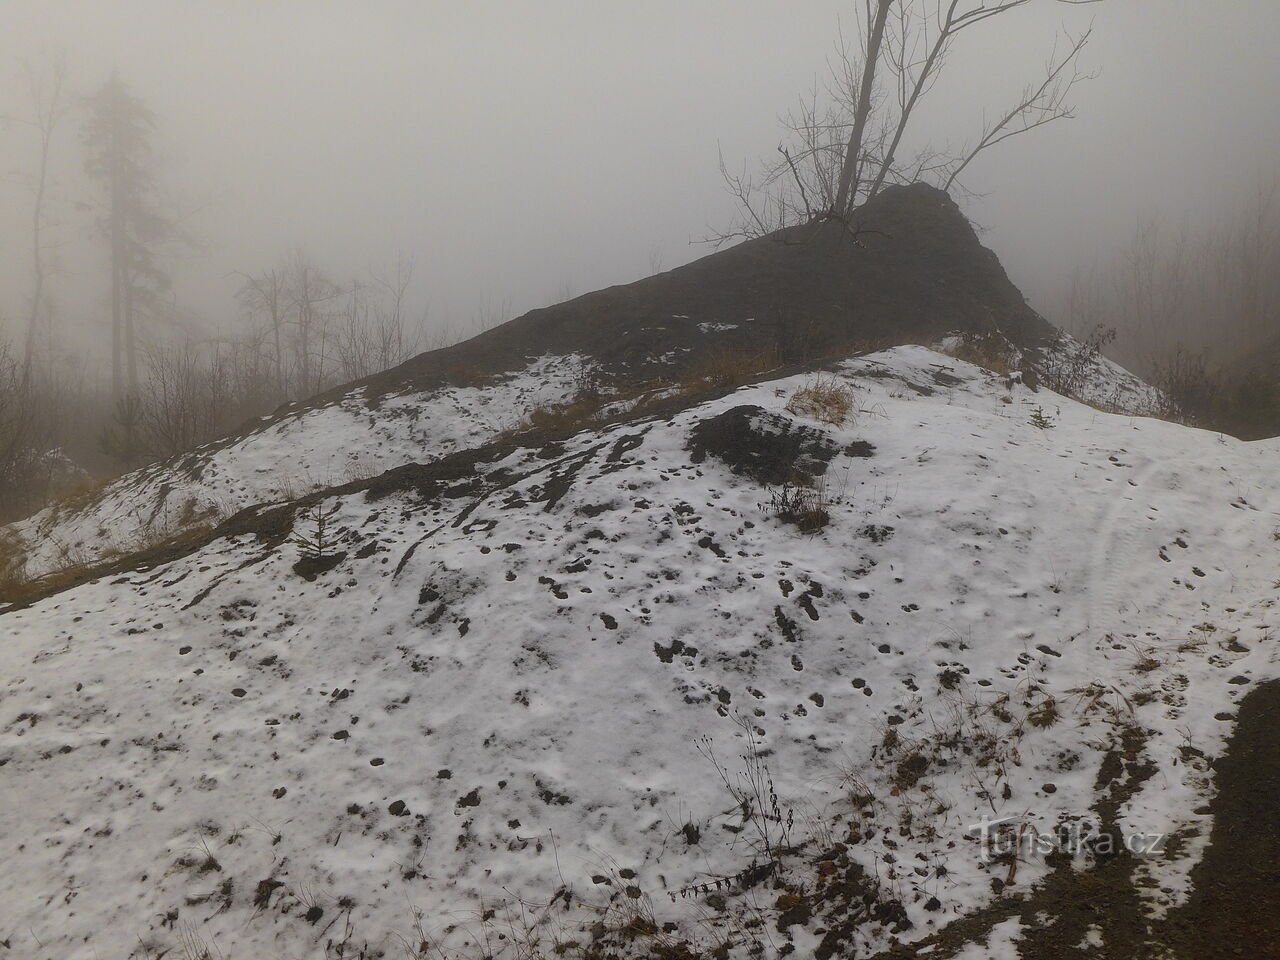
(310, 449)
(531, 668)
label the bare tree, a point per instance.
(266, 295)
(48, 110)
(396, 341)
(845, 142)
(862, 107)
(310, 294)
(375, 333)
(1039, 105)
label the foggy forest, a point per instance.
(680, 480)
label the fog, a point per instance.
(522, 152)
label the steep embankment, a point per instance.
(913, 272)
(527, 690)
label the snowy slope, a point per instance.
(1081, 370)
(316, 447)
(511, 684)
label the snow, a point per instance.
(529, 666)
(315, 448)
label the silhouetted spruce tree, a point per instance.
(117, 140)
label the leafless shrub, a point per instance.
(754, 793)
(13, 563)
(1190, 388)
(374, 330)
(18, 458)
(806, 506)
(1071, 367)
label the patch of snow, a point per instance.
(1001, 945)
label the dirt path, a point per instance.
(1234, 909)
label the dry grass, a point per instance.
(827, 399)
(20, 589)
(13, 563)
(578, 412)
(718, 370)
(74, 567)
(990, 351)
(1044, 715)
(77, 496)
(726, 368)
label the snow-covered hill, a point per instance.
(363, 433)
(918, 274)
(525, 693)
(314, 447)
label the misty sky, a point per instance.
(524, 150)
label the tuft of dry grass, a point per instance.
(1045, 714)
(579, 413)
(20, 589)
(827, 399)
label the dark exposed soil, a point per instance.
(770, 449)
(312, 566)
(1234, 909)
(915, 271)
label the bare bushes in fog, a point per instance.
(37, 410)
(1241, 402)
(305, 334)
(374, 332)
(310, 334)
(189, 393)
(1202, 288)
(1191, 309)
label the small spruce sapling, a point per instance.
(1040, 420)
(316, 542)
